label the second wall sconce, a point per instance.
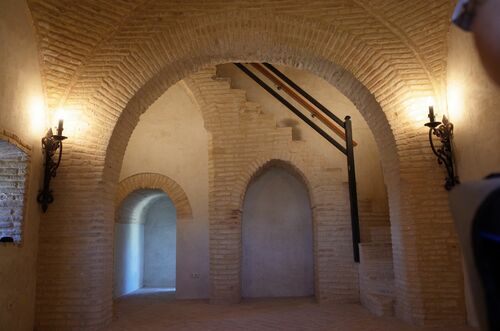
(444, 153)
(51, 144)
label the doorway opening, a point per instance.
(145, 244)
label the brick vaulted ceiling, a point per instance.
(98, 55)
(82, 41)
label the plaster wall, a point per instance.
(129, 258)
(170, 139)
(474, 109)
(159, 244)
(277, 237)
(22, 114)
(368, 167)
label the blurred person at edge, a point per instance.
(482, 17)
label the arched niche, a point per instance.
(152, 181)
(277, 235)
(136, 199)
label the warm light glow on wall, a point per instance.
(418, 110)
(37, 116)
(455, 101)
(74, 123)
(60, 114)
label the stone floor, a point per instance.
(157, 310)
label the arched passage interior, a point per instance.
(145, 243)
(277, 236)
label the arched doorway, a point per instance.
(145, 243)
(277, 236)
(149, 207)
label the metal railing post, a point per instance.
(353, 196)
(287, 104)
(347, 125)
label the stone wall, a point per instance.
(368, 167)
(257, 136)
(243, 141)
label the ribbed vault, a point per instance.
(77, 37)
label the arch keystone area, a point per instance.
(156, 181)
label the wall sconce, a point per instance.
(444, 131)
(50, 144)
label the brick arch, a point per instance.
(225, 215)
(119, 77)
(160, 182)
(332, 208)
(259, 166)
(359, 79)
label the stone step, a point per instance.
(210, 72)
(365, 204)
(223, 82)
(375, 251)
(374, 271)
(252, 107)
(380, 234)
(377, 286)
(379, 304)
(370, 220)
(221, 79)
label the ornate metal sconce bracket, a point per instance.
(444, 153)
(51, 144)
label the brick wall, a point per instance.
(14, 165)
(152, 181)
(243, 141)
(109, 63)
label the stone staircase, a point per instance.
(243, 137)
(231, 103)
(376, 278)
(376, 275)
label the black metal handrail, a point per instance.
(292, 108)
(348, 150)
(304, 94)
